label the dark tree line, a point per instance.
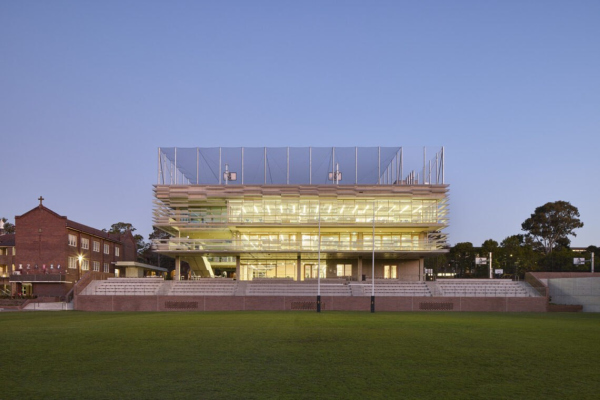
(544, 246)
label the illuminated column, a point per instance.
(237, 267)
(177, 268)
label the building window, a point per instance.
(85, 244)
(72, 240)
(96, 265)
(344, 270)
(116, 251)
(106, 249)
(96, 246)
(85, 265)
(106, 269)
(389, 271)
(72, 262)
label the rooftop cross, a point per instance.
(41, 199)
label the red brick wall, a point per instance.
(41, 238)
(129, 247)
(329, 303)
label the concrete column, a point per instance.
(298, 269)
(237, 267)
(177, 268)
(359, 269)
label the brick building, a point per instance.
(52, 252)
(7, 260)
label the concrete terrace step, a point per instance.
(54, 306)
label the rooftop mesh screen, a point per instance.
(299, 166)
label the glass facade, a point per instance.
(289, 208)
(306, 242)
(305, 211)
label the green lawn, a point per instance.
(305, 355)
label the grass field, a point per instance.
(304, 355)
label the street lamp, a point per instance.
(79, 269)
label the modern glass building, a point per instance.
(301, 213)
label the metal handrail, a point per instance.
(175, 244)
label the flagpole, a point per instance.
(319, 265)
(373, 266)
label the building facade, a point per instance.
(7, 261)
(300, 213)
(52, 252)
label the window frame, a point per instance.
(72, 240)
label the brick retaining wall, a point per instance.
(285, 303)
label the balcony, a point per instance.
(203, 246)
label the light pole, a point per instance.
(373, 266)
(319, 262)
(80, 258)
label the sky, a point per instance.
(89, 90)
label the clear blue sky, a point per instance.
(90, 89)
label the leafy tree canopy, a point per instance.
(462, 258)
(551, 224)
(8, 227)
(121, 227)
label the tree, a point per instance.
(437, 263)
(462, 258)
(122, 227)
(517, 255)
(154, 258)
(551, 224)
(8, 227)
(489, 246)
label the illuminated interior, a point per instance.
(272, 231)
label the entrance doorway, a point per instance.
(311, 271)
(27, 289)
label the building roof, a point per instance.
(93, 231)
(7, 240)
(115, 237)
(136, 264)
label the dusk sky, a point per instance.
(90, 89)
